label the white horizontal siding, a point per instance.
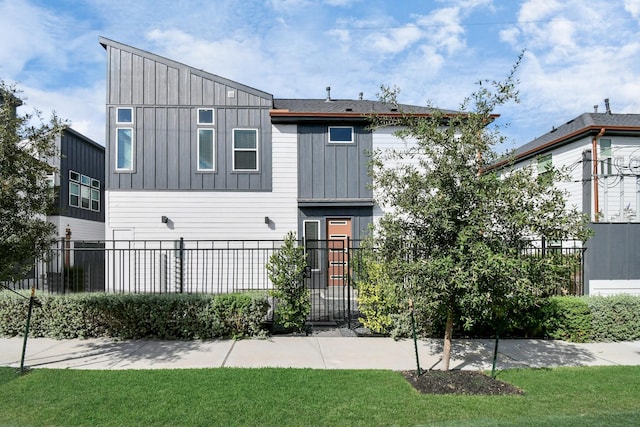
(211, 215)
(614, 287)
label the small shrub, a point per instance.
(568, 318)
(615, 318)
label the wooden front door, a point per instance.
(338, 237)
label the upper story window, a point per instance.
(545, 163)
(605, 157)
(340, 134)
(205, 116)
(124, 149)
(245, 149)
(124, 139)
(84, 191)
(124, 115)
(206, 150)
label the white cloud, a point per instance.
(393, 40)
(633, 7)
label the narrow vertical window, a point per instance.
(245, 149)
(311, 244)
(605, 157)
(124, 149)
(74, 194)
(206, 150)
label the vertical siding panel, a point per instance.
(230, 101)
(305, 163)
(365, 150)
(161, 165)
(219, 95)
(114, 76)
(354, 164)
(196, 177)
(183, 86)
(317, 153)
(331, 179)
(137, 177)
(231, 122)
(222, 151)
(173, 149)
(161, 84)
(125, 78)
(137, 95)
(149, 81)
(243, 98)
(196, 90)
(184, 147)
(173, 86)
(149, 149)
(342, 167)
(207, 92)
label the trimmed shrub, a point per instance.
(615, 318)
(140, 316)
(568, 318)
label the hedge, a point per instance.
(169, 316)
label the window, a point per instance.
(205, 116)
(124, 149)
(311, 235)
(605, 157)
(84, 191)
(245, 149)
(206, 150)
(124, 115)
(544, 163)
(340, 134)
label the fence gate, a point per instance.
(333, 299)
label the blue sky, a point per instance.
(578, 52)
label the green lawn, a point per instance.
(607, 396)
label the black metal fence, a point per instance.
(214, 267)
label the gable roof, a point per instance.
(587, 124)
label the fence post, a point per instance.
(181, 262)
(348, 265)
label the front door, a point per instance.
(338, 238)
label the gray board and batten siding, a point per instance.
(165, 96)
(86, 157)
(334, 173)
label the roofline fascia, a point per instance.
(563, 140)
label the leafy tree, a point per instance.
(25, 197)
(286, 269)
(455, 231)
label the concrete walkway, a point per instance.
(314, 351)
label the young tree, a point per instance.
(287, 269)
(25, 196)
(454, 231)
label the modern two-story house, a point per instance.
(193, 155)
(601, 154)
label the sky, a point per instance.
(576, 52)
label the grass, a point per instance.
(565, 396)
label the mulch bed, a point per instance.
(458, 382)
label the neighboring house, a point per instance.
(196, 156)
(79, 182)
(601, 153)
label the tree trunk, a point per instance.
(448, 333)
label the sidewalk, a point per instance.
(315, 351)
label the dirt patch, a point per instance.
(458, 382)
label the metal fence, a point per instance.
(214, 267)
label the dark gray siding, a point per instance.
(84, 156)
(333, 171)
(361, 218)
(612, 252)
(165, 96)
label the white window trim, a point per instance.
(213, 116)
(340, 127)
(257, 150)
(117, 115)
(133, 151)
(213, 142)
